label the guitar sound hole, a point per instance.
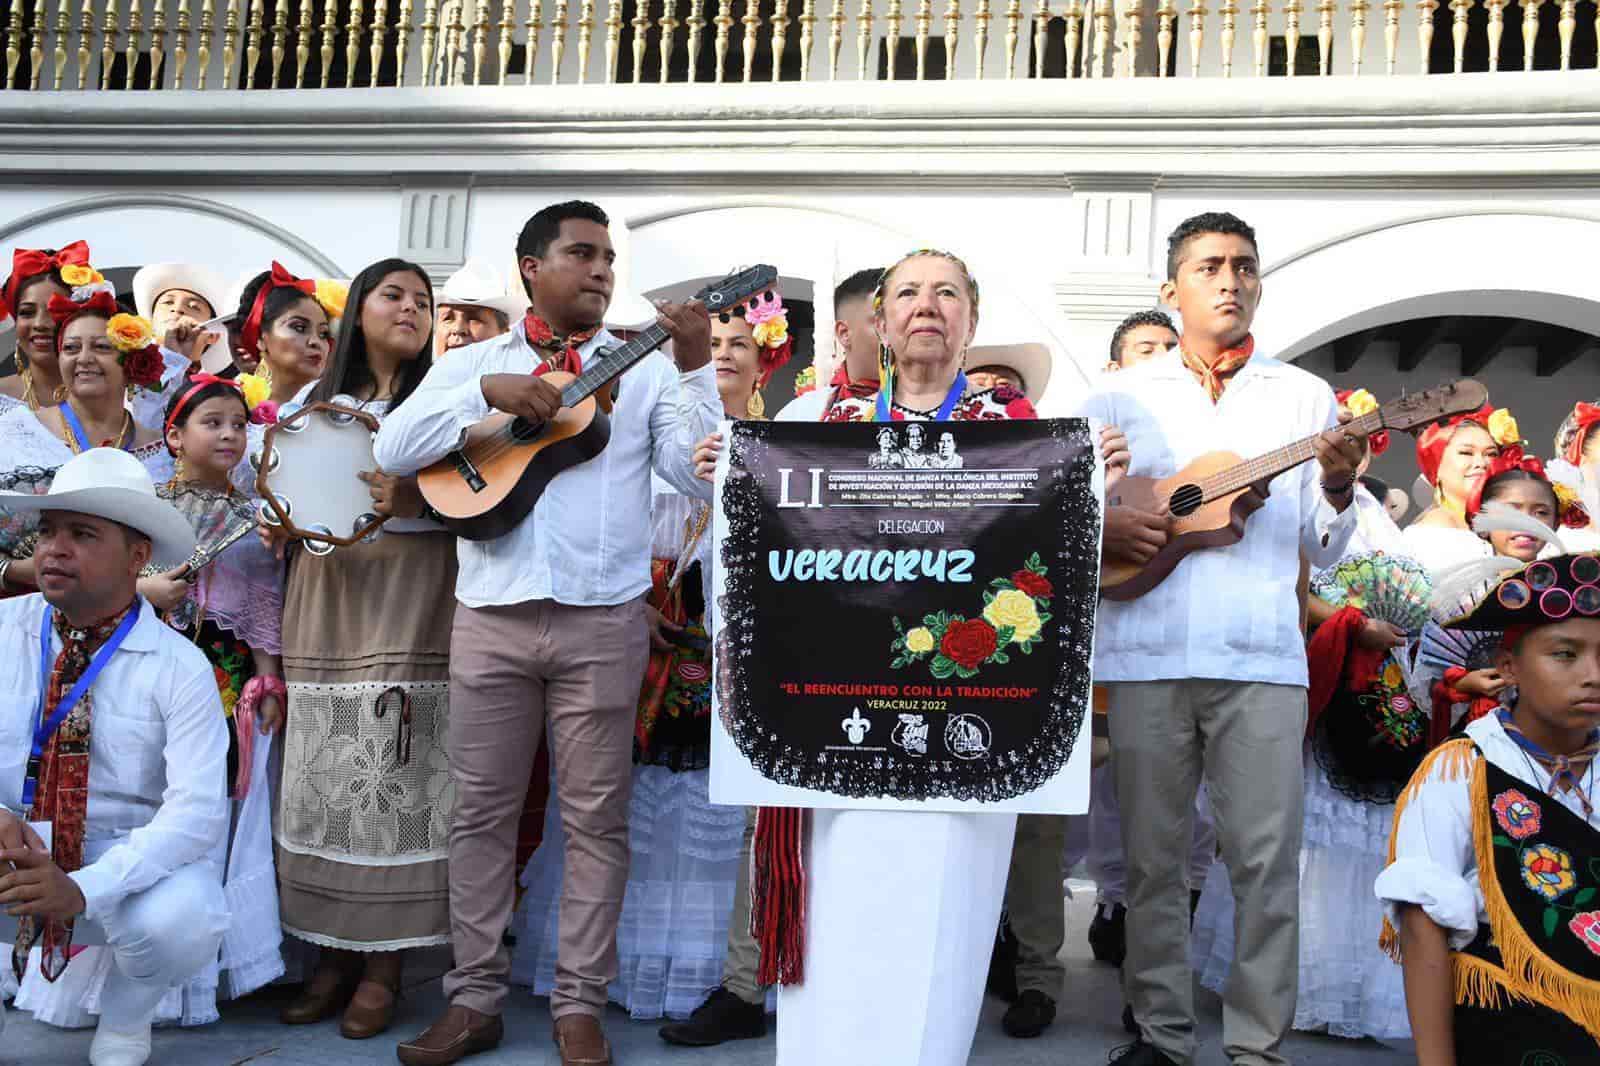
(1186, 500)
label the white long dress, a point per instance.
(684, 860)
(1348, 987)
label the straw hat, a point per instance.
(153, 280)
(1030, 362)
(479, 284)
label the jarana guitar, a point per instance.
(482, 490)
(1209, 500)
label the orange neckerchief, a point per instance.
(1214, 376)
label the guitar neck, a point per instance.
(598, 374)
(1268, 466)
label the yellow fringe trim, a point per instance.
(1480, 983)
(1450, 761)
(1529, 972)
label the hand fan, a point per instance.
(1388, 588)
(1470, 649)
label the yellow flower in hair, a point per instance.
(332, 295)
(75, 275)
(772, 334)
(130, 332)
(256, 390)
(1503, 428)
(1361, 402)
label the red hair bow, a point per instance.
(1511, 457)
(31, 262)
(1432, 441)
(64, 310)
(250, 331)
(1584, 416)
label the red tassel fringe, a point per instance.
(778, 895)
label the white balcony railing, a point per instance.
(276, 44)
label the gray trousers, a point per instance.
(743, 962)
(1246, 740)
(1036, 902)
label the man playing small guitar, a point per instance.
(1207, 670)
(551, 623)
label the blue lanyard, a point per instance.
(70, 417)
(957, 390)
(48, 726)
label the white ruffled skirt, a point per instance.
(250, 957)
(673, 935)
(1348, 986)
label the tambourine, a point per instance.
(307, 474)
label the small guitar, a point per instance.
(482, 490)
(1209, 500)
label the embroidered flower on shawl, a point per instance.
(1518, 816)
(1586, 927)
(920, 640)
(1393, 676)
(1547, 870)
(1036, 585)
(967, 644)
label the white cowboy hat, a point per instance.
(1031, 362)
(109, 483)
(479, 284)
(153, 280)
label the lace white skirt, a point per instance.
(1348, 987)
(673, 934)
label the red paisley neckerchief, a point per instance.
(1214, 376)
(844, 387)
(63, 793)
(560, 353)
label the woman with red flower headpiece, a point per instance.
(37, 275)
(1365, 736)
(103, 355)
(1452, 457)
(685, 850)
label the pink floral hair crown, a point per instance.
(769, 322)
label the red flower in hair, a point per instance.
(143, 367)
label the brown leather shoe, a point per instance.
(580, 1041)
(370, 1011)
(321, 999)
(461, 1032)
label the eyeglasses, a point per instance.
(1540, 580)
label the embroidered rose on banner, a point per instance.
(1547, 870)
(1586, 927)
(1518, 816)
(1015, 610)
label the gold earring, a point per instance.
(178, 470)
(756, 407)
(60, 394)
(264, 370)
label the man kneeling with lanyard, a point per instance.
(124, 833)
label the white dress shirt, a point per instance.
(1435, 865)
(1226, 613)
(158, 755)
(587, 542)
(808, 408)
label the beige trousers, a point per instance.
(1036, 902)
(743, 962)
(1246, 739)
(514, 671)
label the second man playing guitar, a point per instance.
(551, 625)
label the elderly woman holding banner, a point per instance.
(899, 909)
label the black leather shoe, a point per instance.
(722, 1017)
(1108, 937)
(1139, 1053)
(1002, 982)
(1030, 1015)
